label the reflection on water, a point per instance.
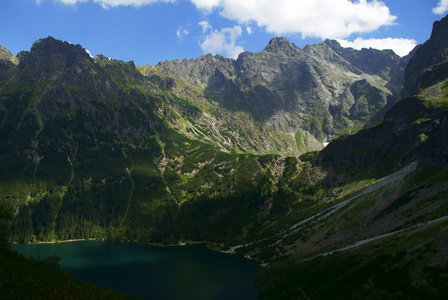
(189, 272)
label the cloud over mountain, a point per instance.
(221, 41)
(400, 46)
(442, 7)
(318, 18)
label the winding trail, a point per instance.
(365, 241)
(388, 180)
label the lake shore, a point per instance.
(180, 243)
(152, 272)
(59, 241)
(211, 246)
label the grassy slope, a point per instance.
(400, 266)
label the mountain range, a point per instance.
(231, 152)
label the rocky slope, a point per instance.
(323, 89)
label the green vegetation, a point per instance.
(389, 268)
(436, 103)
(421, 138)
(36, 278)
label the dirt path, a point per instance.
(362, 242)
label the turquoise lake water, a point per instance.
(187, 272)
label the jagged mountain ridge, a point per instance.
(324, 89)
(242, 106)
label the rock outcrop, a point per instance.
(7, 63)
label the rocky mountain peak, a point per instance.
(429, 65)
(49, 57)
(371, 61)
(440, 30)
(281, 45)
(334, 44)
(48, 48)
(197, 71)
(385, 64)
(52, 45)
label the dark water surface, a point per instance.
(188, 272)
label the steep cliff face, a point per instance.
(429, 65)
(385, 64)
(323, 89)
(198, 71)
(413, 129)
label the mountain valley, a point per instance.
(327, 165)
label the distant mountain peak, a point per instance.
(48, 43)
(333, 43)
(281, 44)
(440, 28)
(49, 46)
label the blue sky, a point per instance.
(149, 31)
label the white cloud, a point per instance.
(442, 7)
(221, 41)
(205, 26)
(114, 3)
(207, 5)
(136, 3)
(249, 30)
(68, 2)
(181, 32)
(317, 18)
(400, 46)
(311, 18)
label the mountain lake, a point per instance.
(178, 272)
